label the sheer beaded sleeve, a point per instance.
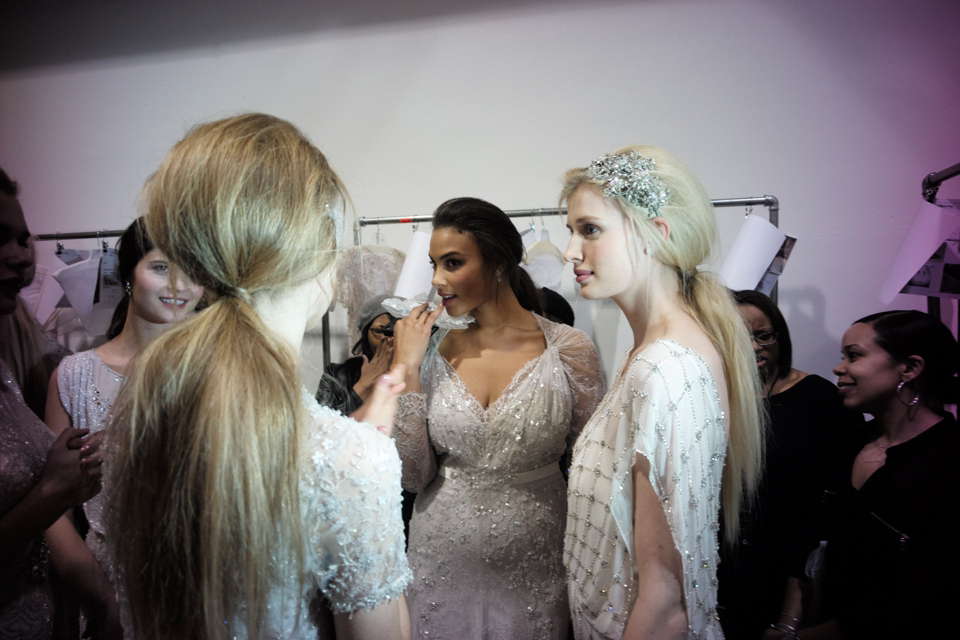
(665, 407)
(350, 491)
(411, 431)
(582, 366)
(413, 442)
(672, 416)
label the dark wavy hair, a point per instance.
(769, 309)
(131, 247)
(498, 240)
(914, 333)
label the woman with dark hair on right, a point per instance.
(807, 419)
(237, 507)
(890, 516)
(491, 410)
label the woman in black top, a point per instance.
(890, 518)
(806, 420)
(346, 386)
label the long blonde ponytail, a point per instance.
(203, 491)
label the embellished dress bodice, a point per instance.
(487, 530)
(88, 388)
(26, 602)
(666, 408)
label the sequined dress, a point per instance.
(665, 407)
(26, 603)
(87, 389)
(350, 508)
(487, 530)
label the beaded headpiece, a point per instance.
(628, 175)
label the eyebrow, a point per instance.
(582, 218)
(446, 255)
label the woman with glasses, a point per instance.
(806, 419)
(347, 385)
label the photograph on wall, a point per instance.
(940, 275)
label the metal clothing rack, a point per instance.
(929, 187)
(80, 235)
(770, 202)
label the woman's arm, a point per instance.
(389, 621)
(55, 415)
(71, 559)
(411, 338)
(659, 610)
(66, 481)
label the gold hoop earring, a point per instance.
(916, 395)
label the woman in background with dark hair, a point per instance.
(806, 421)
(345, 386)
(41, 476)
(890, 516)
(489, 412)
(84, 386)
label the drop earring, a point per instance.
(127, 289)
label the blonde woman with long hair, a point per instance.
(238, 506)
(681, 418)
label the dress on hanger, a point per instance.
(544, 262)
(26, 601)
(665, 406)
(364, 272)
(487, 531)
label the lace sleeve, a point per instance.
(351, 494)
(413, 441)
(582, 363)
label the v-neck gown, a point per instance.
(486, 538)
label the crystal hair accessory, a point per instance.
(628, 175)
(338, 224)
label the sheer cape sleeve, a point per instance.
(670, 413)
(581, 363)
(350, 491)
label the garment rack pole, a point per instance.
(770, 202)
(80, 235)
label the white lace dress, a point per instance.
(487, 532)
(88, 388)
(666, 408)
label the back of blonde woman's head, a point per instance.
(245, 203)
(203, 494)
(691, 241)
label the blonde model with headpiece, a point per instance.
(238, 506)
(681, 418)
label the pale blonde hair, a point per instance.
(692, 238)
(203, 493)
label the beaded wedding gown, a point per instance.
(486, 537)
(664, 406)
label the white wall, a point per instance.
(837, 107)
